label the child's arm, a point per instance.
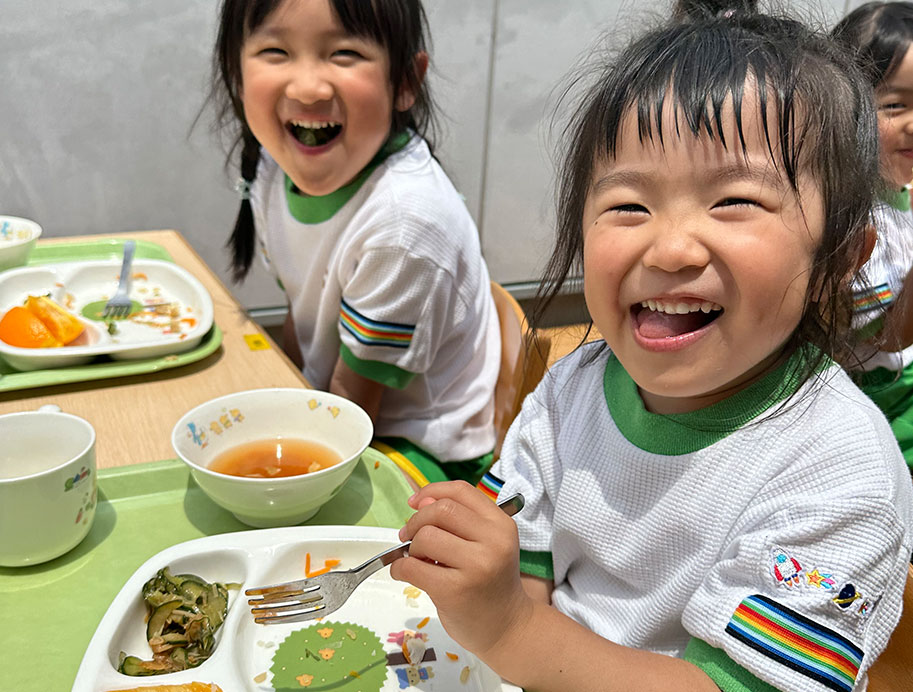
(363, 391)
(897, 331)
(465, 556)
(290, 341)
(537, 588)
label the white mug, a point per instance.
(48, 485)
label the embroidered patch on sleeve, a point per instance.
(490, 485)
(373, 333)
(795, 641)
(870, 299)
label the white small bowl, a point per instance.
(17, 240)
(228, 421)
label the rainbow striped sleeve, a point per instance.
(878, 297)
(373, 333)
(797, 642)
(490, 485)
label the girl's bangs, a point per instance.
(360, 18)
(702, 75)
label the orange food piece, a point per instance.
(22, 328)
(422, 623)
(62, 324)
(327, 566)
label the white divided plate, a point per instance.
(75, 285)
(248, 656)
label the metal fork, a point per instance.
(306, 599)
(120, 306)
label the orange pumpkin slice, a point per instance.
(62, 324)
(22, 328)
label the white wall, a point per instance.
(97, 99)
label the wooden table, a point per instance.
(134, 415)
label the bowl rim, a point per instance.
(34, 227)
(284, 480)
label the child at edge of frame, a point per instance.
(711, 503)
(389, 297)
(880, 35)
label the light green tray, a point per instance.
(50, 611)
(11, 379)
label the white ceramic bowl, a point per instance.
(220, 424)
(17, 240)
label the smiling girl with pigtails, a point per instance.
(711, 503)
(389, 297)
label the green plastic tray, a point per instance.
(102, 368)
(50, 611)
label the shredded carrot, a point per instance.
(452, 657)
(139, 275)
(377, 464)
(327, 566)
(190, 321)
(422, 623)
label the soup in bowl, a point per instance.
(272, 457)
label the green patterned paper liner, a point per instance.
(338, 656)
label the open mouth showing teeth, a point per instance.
(314, 134)
(662, 320)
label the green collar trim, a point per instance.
(683, 433)
(312, 210)
(898, 199)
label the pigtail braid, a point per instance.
(243, 237)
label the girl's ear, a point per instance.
(406, 96)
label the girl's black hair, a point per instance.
(825, 125)
(879, 34)
(400, 26)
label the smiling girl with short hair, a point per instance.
(710, 502)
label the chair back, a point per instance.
(893, 670)
(523, 362)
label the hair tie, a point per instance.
(242, 187)
(726, 14)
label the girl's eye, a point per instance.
(892, 107)
(629, 209)
(737, 202)
(348, 53)
(271, 51)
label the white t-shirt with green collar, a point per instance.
(775, 554)
(882, 278)
(388, 273)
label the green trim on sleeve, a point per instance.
(871, 329)
(469, 470)
(728, 675)
(537, 564)
(383, 373)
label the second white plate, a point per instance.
(79, 285)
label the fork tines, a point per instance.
(277, 603)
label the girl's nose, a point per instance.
(309, 85)
(676, 247)
(907, 124)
